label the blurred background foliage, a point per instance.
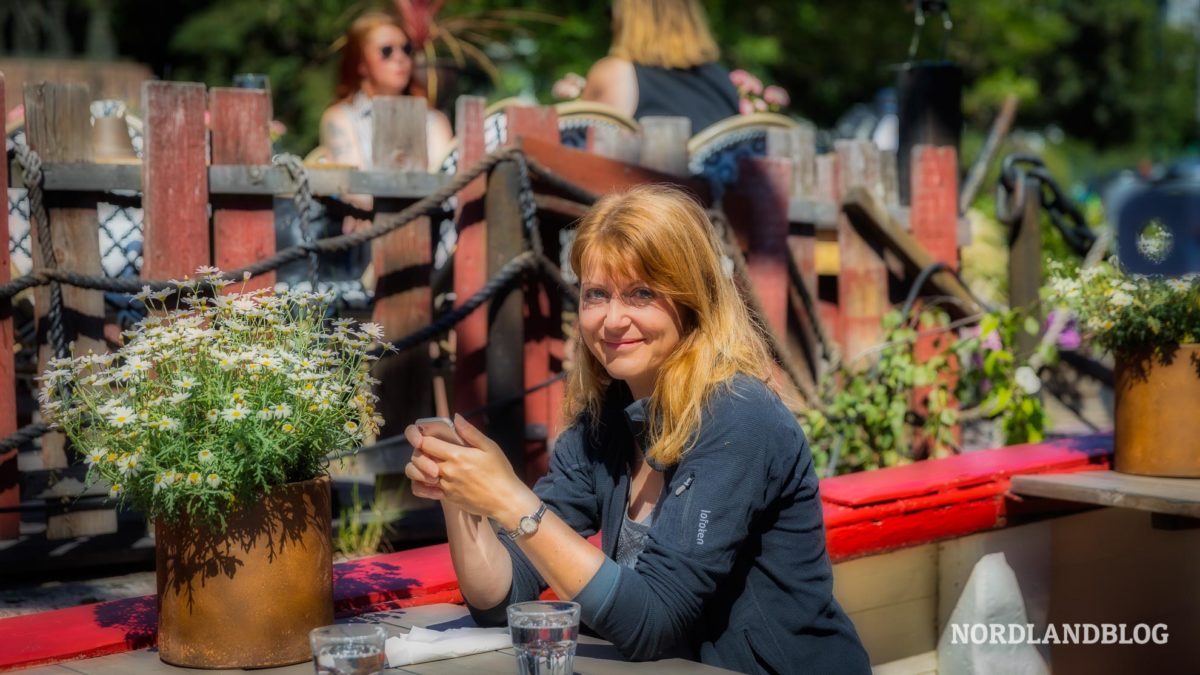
(1108, 83)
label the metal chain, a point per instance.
(1018, 169)
(305, 206)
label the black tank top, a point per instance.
(702, 94)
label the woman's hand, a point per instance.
(421, 470)
(477, 477)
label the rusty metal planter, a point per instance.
(247, 597)
(1158, 414)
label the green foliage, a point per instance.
(1108, 72)
(361, 531)
(1125, 314)
(214, 403)
(904, 408)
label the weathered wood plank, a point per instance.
(862, 277)
(664, 144)
(1178, 496)
(175, 195)
(542, 312)
(58, 128)
(470, 260)
(255, 179)
(872, 221)
(10, 490)
(243, 226)
(762, 195)
(600, 175)
(403, 260)
(506, 326)
(933, 214)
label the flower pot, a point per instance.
(1157, 420)
(247, 597)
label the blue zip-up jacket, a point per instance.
(734, 571)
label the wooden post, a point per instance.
(825, 253)
(933, 222)
(762, 193)
(798, 145)
(175, 180)
(1025, 263)
(10, 486)
(862, 277)
(58, 128)
(542, 312)
(933, 214)
(664, 144)
(470, 259)
(613, 143)
(506, 328)
(243, 225)
(402, 259)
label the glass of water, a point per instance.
(544, 636)
(348, 649)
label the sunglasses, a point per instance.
(387, 51)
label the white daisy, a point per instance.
(205, 456)
(213, 480)
(194, 478)
(235, 414)
(119, 416)
(167, 424)
(115, 490)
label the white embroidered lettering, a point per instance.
(702, 528)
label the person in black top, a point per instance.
(663, 61)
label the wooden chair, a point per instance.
(714, 153)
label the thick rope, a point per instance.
(32, 176)
(305, 206)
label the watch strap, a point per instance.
(516, 532)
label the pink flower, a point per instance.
(776, 95)
(745, 82)
(569, 86)
(745, 107)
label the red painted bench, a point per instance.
(865, 513)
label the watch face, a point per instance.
(528, 525)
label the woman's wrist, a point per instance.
(523, 502)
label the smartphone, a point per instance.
(439, 427)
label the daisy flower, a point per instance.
(205, 456)
(119, 416)
(235, 414)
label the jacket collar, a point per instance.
(636, 415)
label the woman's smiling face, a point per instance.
(629, 327)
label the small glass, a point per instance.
(348, 649)
(544, 636)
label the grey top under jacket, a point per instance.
(734, 571)
(631, 541)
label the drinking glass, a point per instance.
(544, 636)
(348, 649)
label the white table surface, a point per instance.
(592, 656)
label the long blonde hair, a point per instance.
(666, 33)
(662, 237)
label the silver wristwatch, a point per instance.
(527, 525)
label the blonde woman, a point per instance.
(679, 452)
(663, 61)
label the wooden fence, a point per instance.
(823, 230)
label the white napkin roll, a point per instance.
(422, 644)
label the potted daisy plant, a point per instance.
(216, 418)
(1151, 326)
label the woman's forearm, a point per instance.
(566, 560)
(482, 563)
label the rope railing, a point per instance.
(532, 260)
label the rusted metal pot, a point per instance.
(1158, 414)
(247, 597)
